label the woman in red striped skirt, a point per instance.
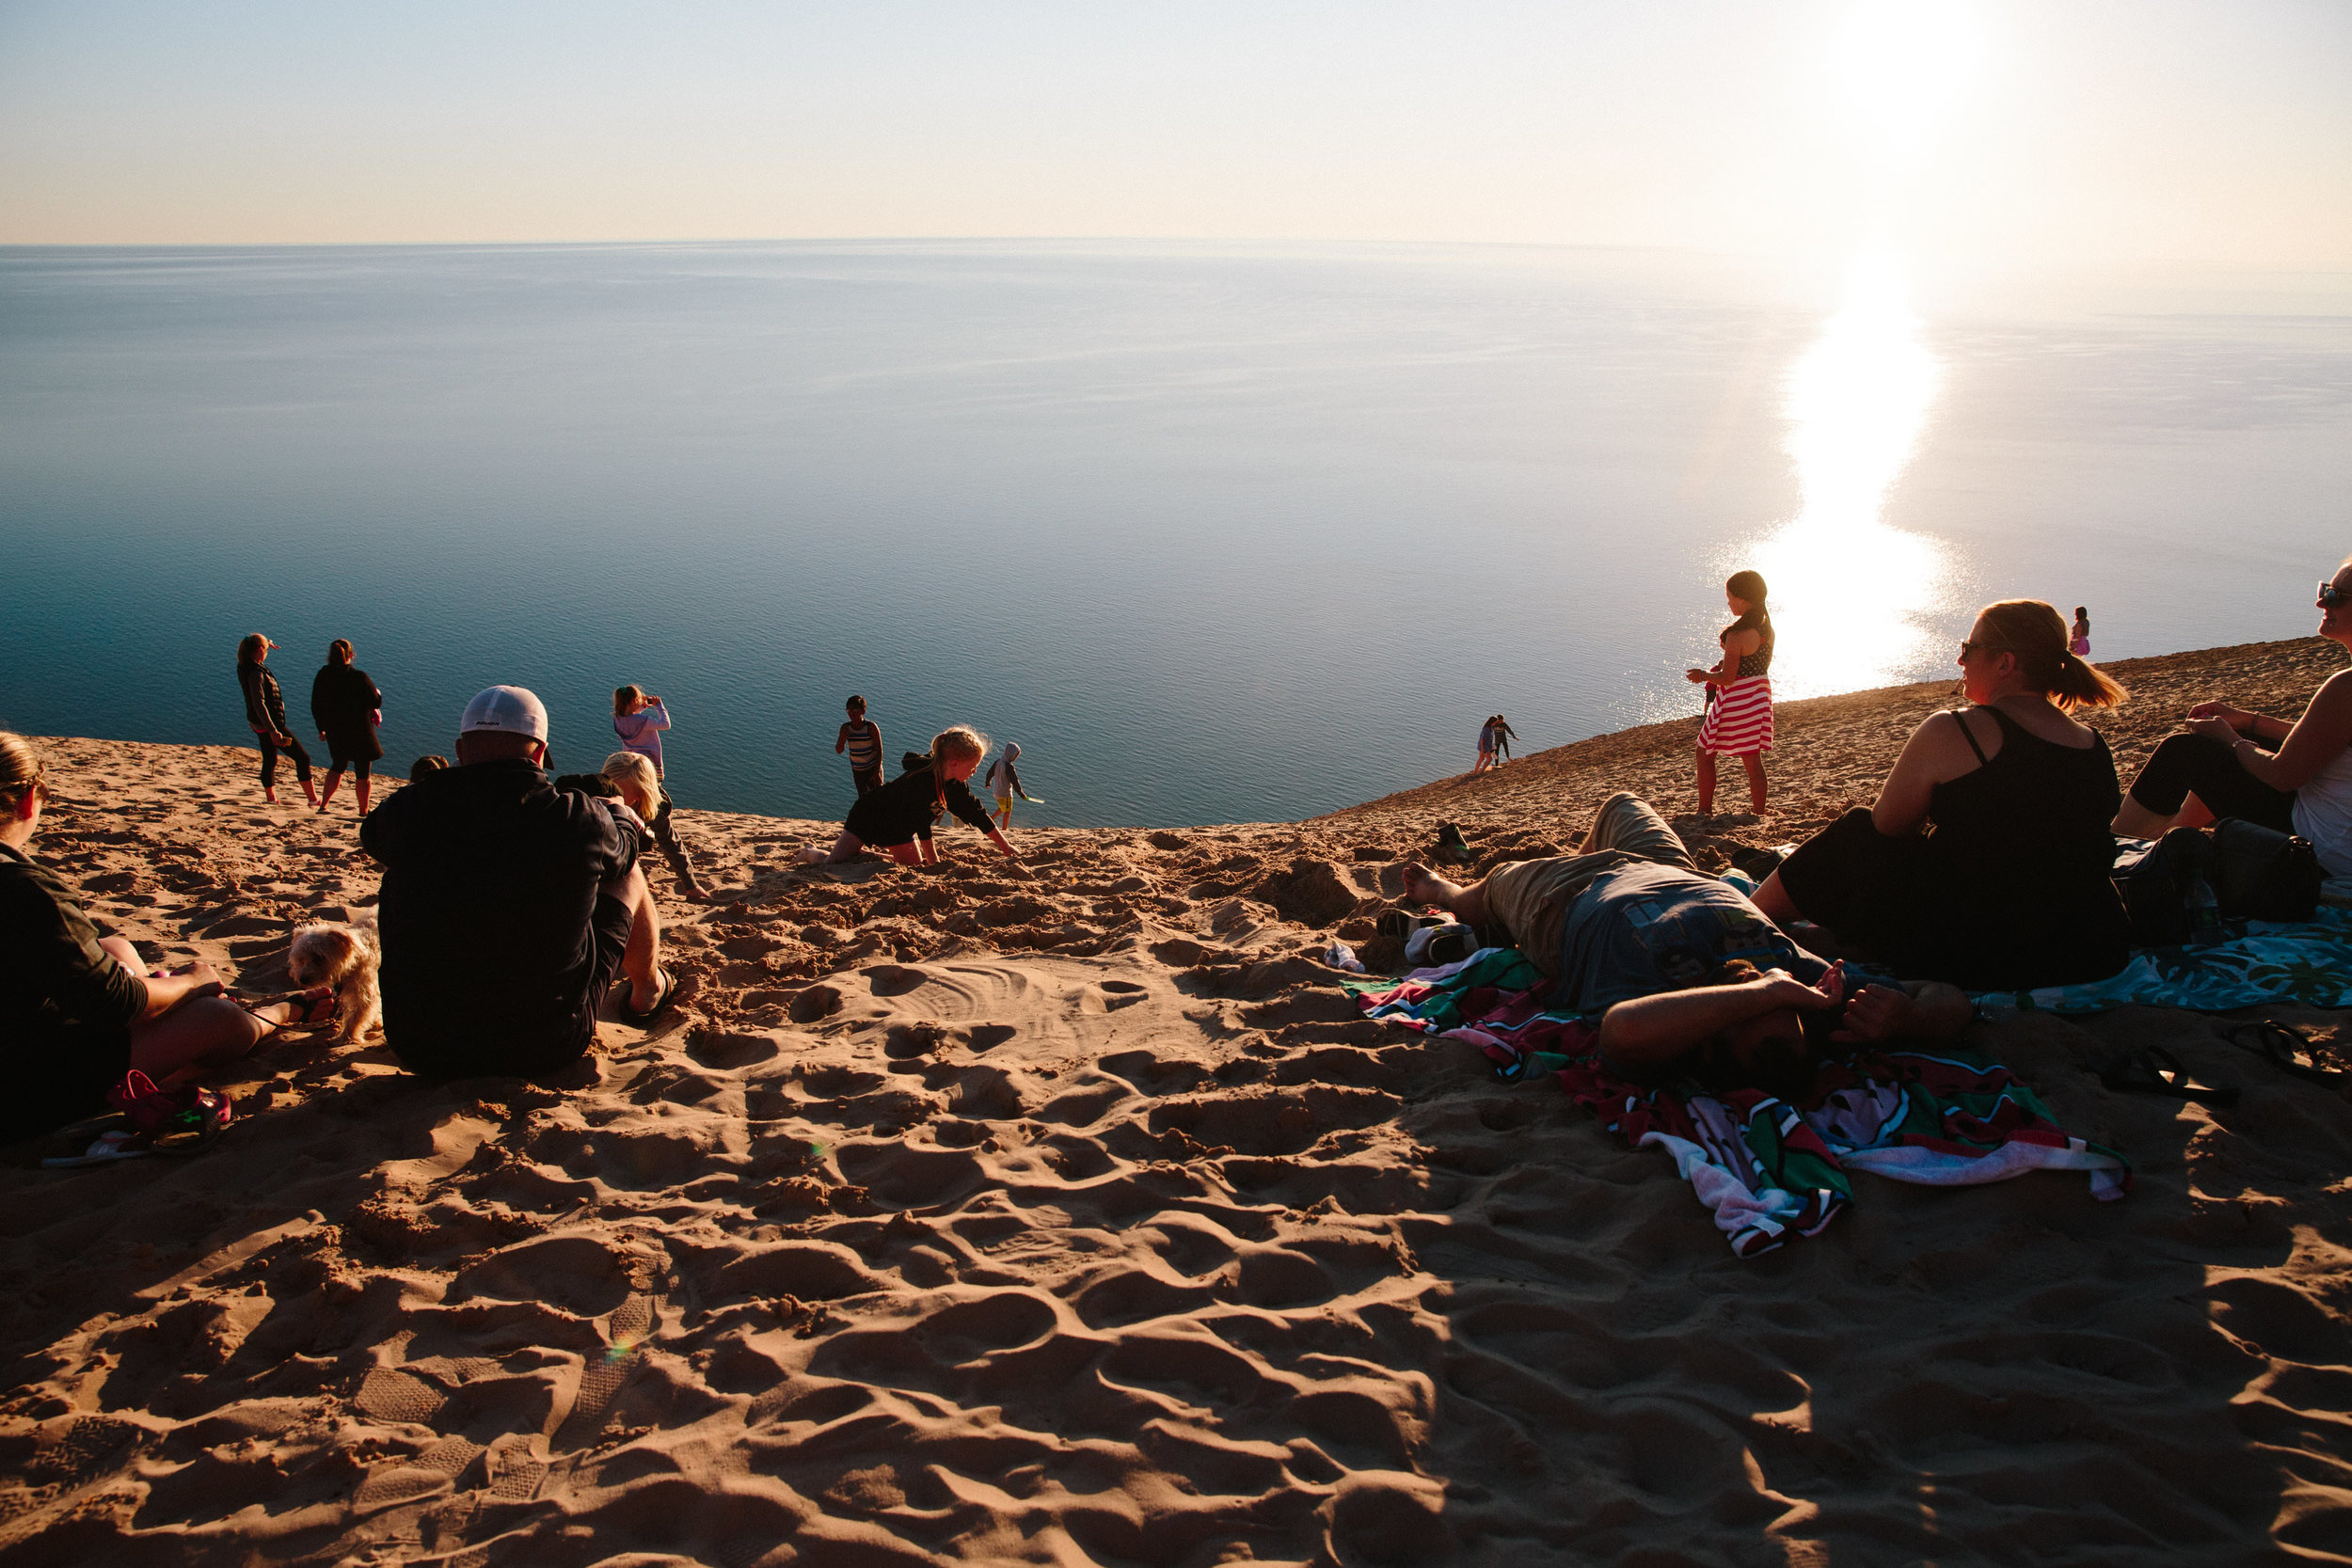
(1739, 721)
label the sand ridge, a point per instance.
(1077, 1216)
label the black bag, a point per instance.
(2262, 874)
(2153, 875)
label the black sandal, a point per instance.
(2153, 1069)
(665, 994)
(2284, 1047)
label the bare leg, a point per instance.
(334, 777)
(1707, 783)
(201, 1034)
(1754, 762)
(360, 789)
(2137, 821)
(1466, 904)
(844, 849)
(124, 954)
(1774, 901)
(641, 960)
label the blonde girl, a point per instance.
(897, 818)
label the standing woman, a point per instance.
(639, 719)
(265, 714)
(343, 705)
(1739, 721)
(2078, 641)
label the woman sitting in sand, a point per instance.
(2296, 776)
(1985, 860)
(897, 818)
(1739, 721)
(79, 1011)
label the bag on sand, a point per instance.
(2241, 869)
(2262, 874)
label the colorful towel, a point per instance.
(2308, 962)
(1764, 1167)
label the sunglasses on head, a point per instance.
(2331, 595)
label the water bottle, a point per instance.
(2204, 910)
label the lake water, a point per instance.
(1215, 532)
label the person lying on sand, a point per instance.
(509, 907)
(1629, 924)
(897, 818)
(79, 1011)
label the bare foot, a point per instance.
(1425, 885)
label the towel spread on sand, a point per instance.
(1764, 1167)
(2308, 962)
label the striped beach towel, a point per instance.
(1739, 720)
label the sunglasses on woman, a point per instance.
(2331, 595)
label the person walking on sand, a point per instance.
(1004, 782)
(1504, 735)
(897, 818)
(347, 707)
(1485, 746)
(2078, 641)
(861, 737)
(1739, 721)
(265, 716)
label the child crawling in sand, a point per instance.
(897, 818)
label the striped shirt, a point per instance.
(864, 738)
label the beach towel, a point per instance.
(2306, 962)
(1765, 1168)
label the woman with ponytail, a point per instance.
(1985, 861)
(897, 818)
(1739, 721)
(2292, 775)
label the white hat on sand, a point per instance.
(508, 709)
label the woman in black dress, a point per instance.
(265, 716)
(344, 703)
(1985, 861)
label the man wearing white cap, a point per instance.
(509, 907)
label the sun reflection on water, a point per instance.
(1849, 593)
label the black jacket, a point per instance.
(491, 879)
(343, 703)
(904, 808)
(66, 1005)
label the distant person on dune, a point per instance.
(345, 705)
(1004, 782)
(509, 907)
(638, 720)
(1504, 735)
(2078, 641)
(1739, 721)
(1687, 974)
(1485, 746)
(78, 1011)
(265, 716)
(861, 737)
(897, 818)
(2294, 775)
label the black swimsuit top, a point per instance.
(1761, 661)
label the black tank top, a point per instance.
(2034, 817)
(1761, 661)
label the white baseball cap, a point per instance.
(508, 709)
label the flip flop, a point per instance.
(2284, 1047)
(663, 997)
(2153, 1069)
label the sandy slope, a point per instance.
(1076, 1217)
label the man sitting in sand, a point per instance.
(508, 906)
(1686, 972)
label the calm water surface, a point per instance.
(1215, 532)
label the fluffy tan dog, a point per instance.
(328, 952)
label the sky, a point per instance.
(2023, 134)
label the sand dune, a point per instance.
(1077, 1217)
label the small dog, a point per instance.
(329, 953)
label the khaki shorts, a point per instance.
(1531, 897)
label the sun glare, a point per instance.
(1847, 589)
(1905, 62)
